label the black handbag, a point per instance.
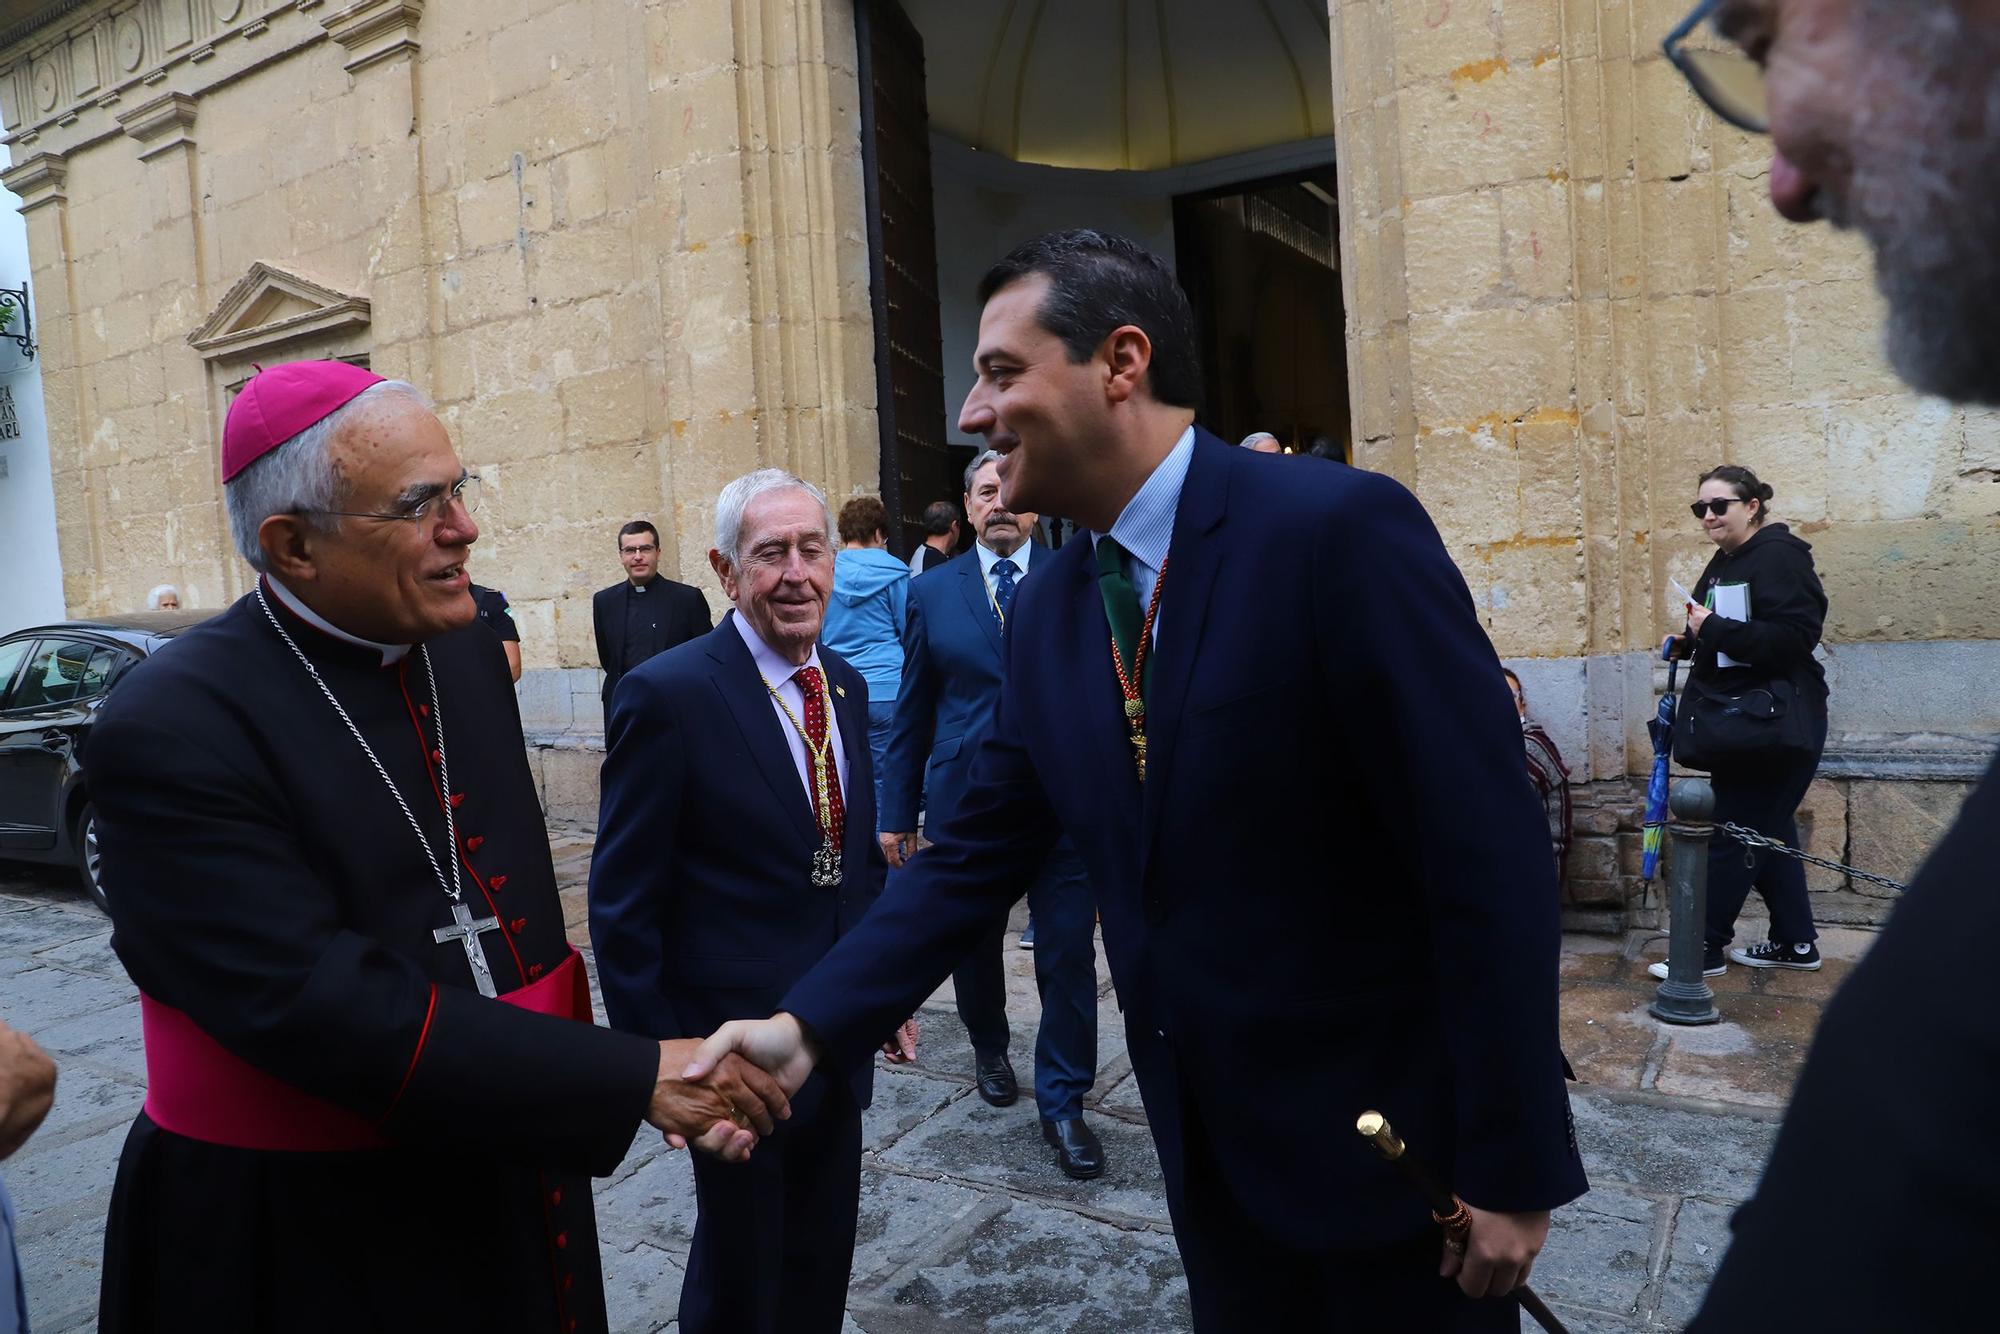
(1714, 730)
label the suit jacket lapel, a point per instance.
(750, 705)
(1192, 561)
(972, 584)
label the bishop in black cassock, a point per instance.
(341, 1131)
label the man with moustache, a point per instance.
(375, 1095)
(1875, 1211)
(953, 663)
(735, 846)
(1288, 954)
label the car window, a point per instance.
(55, 674)
(104, 664)
(10, 662)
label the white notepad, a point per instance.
(1733, 601)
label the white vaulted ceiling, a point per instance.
(1126, 84)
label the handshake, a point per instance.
(723, 1094)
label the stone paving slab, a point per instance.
(1031, 1267)
(1002, 1147)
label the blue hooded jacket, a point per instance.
(864, 617)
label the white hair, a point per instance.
(299, 476)
(736, 497)
(163, 590)
(979, 460)
(1255, 436)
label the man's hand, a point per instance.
(901, 1048)
(27, 1088)
(897, 848)
(777, 1044)
(1499, 1251)
(723, 1114)
(1696, 615)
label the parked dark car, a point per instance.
(52, 678)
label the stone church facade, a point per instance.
(632, 249)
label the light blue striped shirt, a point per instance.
(1145, 528)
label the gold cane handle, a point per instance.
(1374, 1127)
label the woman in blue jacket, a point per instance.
(864, 617)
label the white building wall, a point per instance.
(30, 568)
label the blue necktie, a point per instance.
(1003, 588)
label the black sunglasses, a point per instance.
(1716, 507)
(1730, 82)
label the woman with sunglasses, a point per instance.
(1786, 608)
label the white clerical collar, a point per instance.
(774, 666)
(391, 653)
(987, 556)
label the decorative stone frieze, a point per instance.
(65, 70)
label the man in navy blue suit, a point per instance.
(737, 765)
(952, 667)
(1260, 702)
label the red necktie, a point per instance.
(814, 689)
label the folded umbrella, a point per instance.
(1661, 729)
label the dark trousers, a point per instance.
(774, 1237)
(1065, 916)
(1241, 1276)
(1765, 798)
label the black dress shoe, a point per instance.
(994, 1077)
(1078, 1153)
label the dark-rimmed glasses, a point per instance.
(1718, 507)
(464, 494)
(1731, 83)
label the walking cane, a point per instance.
(1447, 1210)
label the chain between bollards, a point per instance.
(1685, 998)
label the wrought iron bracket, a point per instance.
(14, 312)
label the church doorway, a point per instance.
(1202, 131)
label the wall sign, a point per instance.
(10, 425)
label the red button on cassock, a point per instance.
(518, 925)
(569, 1281)
(562, 1240)
(555, 1196)
(474, 843)
(457, 797)
(437, 757)
(496, 881)
(424, 709)
(534, 970)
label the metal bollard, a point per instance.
(1684, 998)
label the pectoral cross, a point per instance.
(467, 932)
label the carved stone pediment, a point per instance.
(269, 308)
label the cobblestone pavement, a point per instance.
(965, 1222)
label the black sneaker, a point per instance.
(1773, 954)
(1712, 963)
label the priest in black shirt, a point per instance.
(375, 1095)
(646, 613)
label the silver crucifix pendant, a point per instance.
(467, 932)
(826, 866)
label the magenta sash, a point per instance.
(196, 1088)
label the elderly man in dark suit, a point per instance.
(645, 613)
(1260, 702)
(734, 847)
(953, 664)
